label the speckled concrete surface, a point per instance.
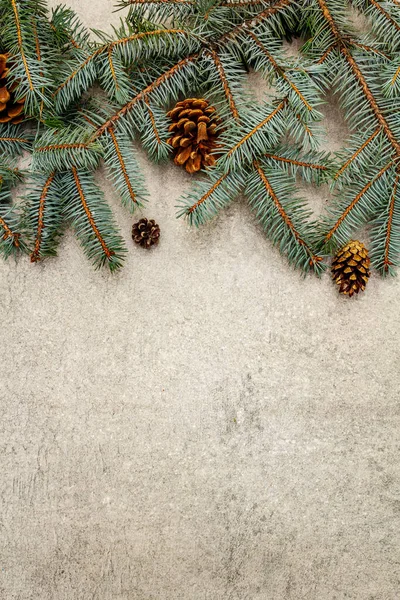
(206, 425)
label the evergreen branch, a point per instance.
(243, 3)
(302, 248)
(280, 70)
(371, 98)
(107, 50)
(132, 2)
(283, 214)
(359, 76)
(297, 163)
(92, 219)
(9, 175)
(145, 34)
(391, 79)
(37, 42)
(109, 253)
(357, 153)
(121, 161)
(355, 201)
(11, 241)
(225, 84)
(395, 76)
(39, 232)
(44, 215)
(9, 233)
(249, 134)
(142, 94)
(68, 30)
(387, 262)
(153, 121)
(262, 16)
(13, 140)
(385, 14)
(21, 45)
(369, 49)
(209, 196)
(327, 53)
(313, 167)
(112, 69)
(62, 149)
(53, 147)
(78, 69)
(194, 207)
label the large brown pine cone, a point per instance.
(350, 268)
(11, 110)
(145, 232)
(194, 133)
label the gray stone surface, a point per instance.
(206, 425)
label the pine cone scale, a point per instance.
(350, 268)
(146, 233)
(194, 130)
(11, 110)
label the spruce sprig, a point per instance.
(165, 50)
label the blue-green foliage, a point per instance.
(164, 51)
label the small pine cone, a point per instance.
(11, 110)
(194, 133)
(146, 233)
(350, 268)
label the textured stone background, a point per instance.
(206, 425)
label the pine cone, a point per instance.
(11, 110)
(194, 133)
(145, 232)
(350, 268)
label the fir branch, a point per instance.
(121, 161)
(242, 149)
(378, 6)
(143, 94)
(62, 149)
(312, 167)
(297, 163)
(357, 153)
(191, 210)
(92, 220)
(354, 202)
(11, 241)
(21, 45)
(327, 53)
(225, 84)
(153, 131)
(371, 99)
(153, 121)
(68, 31)
(43, 215)
(109, 253)
(131, 186)
(14, 140)
(387, 261)
(280, 71)
(209, 196)
(39, 232)
(359, 77)
(261, 17)
(391, 85)
(280, 225)
(85, 71)
(244, 3)
(11, 237)
(149, 2)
